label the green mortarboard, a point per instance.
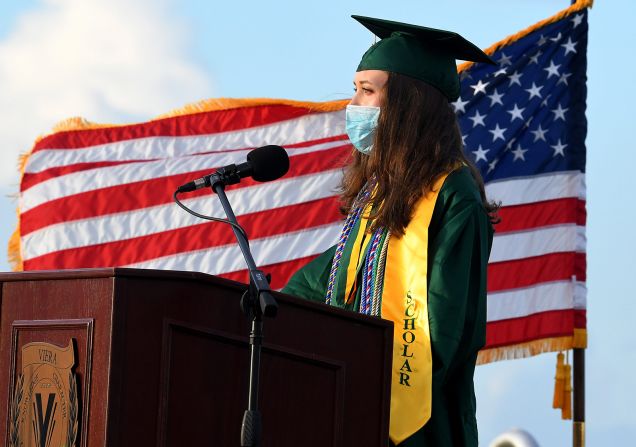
(422, 53)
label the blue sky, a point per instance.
(120, 61)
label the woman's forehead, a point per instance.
(376, 77)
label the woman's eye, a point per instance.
(366, 90)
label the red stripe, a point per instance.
(177, 126)
(557, 323)
(31, 179)
(281, 272)
(580, 319)
(541, 214)
(529, 271)
(132, 196)
(196, 237)
(28, 179)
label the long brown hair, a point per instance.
(417, 139)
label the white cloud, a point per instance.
(106, 60)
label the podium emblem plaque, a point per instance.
(44, 408)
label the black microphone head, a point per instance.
(268, 163)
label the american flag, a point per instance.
(94, 196)
(523, 124)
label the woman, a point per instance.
(415, 244)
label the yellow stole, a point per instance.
(404, 301)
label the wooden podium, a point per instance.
(161, 358)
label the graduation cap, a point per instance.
(427, 54)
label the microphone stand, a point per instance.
(256, 302)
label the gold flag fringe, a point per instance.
(578, 6)
(579, 340)
(14, 254)
(79, 123)
(203, 106)
(214, 104)
(535, 347)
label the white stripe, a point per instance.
(93, 179)
(266, 251)
(537, 242)
(518, 191)
(297, 130)
(540, 298)
(145, 221)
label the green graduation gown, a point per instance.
(460, 238)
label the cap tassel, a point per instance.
(566, 410)
(559, 382)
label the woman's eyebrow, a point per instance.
(363, 82)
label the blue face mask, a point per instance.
(361, 123)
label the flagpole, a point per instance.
(578, 390)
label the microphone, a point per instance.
(263, 165)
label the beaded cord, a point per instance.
(350, 222)
(379, 274)
(369, 279)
